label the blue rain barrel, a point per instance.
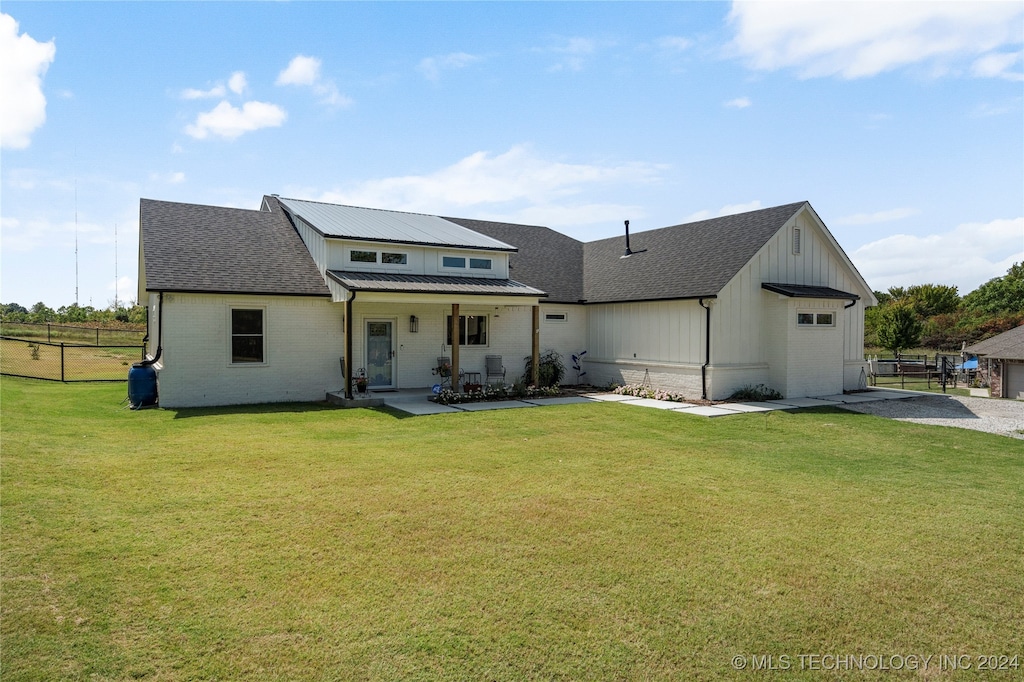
(141, 386)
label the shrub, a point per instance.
(550, 370)
(759, 392)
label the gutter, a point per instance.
(159, 336)
(707, 350)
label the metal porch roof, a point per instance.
(370, 224)
(431, 284)
(804, 291)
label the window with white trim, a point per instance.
(453, 261)
(357, 256)
(248, 342)
(480, 263)
(472, 330)
(555, 317)
(394, 258)
(805, 319)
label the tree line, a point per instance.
(935, 316)
(114, 316)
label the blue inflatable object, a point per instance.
(971, 364)
(436, 389)
(141, 386)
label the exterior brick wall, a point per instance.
(303, 343)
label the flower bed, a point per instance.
(496, 392)
(641, 391)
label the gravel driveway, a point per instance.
(1005, 417)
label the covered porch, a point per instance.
(396, 327)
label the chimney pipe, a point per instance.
(628, 251)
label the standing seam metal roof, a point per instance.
(371, 224)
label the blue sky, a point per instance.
(901, 122)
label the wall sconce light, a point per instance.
(414, 324)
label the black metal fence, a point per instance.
(38, 359)
(918, 371)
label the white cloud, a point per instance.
(738, 103)
(237, 82)
(215, 92)
(997, 65)
(574, 53)
(174, 178)
(230, 122)
(966, 256)
(516, 185)
(431, 67)
(23, 63)
(305, 71)
(674, 43)
(878, 216)
(728, 209)
(860, 39)
(301, 70)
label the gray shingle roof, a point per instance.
(210, 249)
(683, 261)
(437, 284)
(805, 291)
(547, 260)
(1006, 346)
(372, 224)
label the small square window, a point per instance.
(394, 258)
(824, 319)
(453, 262)
(805, 318)
(363, 256)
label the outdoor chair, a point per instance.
(444, 371)
(495, 370)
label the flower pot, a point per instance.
(470, 388)
(361, 388)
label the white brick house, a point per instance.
(262, 306)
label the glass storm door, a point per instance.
(380, 353)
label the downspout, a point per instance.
(159, 335)
(348, 346)
(707, 350)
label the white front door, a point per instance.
(380, 353)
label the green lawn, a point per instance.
(595, 541)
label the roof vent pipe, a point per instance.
(629, 252)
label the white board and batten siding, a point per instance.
(303, 342)
(661, 339)
(752, 337)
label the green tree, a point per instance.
(898, 327)
(933, 299)
(1001, 294)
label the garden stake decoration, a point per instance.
(577, 365)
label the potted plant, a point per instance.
(361, 383)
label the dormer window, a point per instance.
(362, 256)
(390, 258)
(453, 261)
(480, 263)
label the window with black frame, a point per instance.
(247, 335)
(472, 330)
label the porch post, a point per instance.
(348, 348)
(455, 326)
(536, 346)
